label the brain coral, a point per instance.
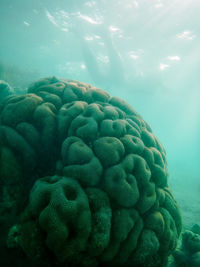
(83, 180)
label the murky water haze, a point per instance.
(146, 52)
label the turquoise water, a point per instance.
(146, 52)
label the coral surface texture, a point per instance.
(83, 181)
(189, 252)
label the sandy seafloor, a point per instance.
(187, 195)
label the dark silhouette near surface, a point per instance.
(113, 76)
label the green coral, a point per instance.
(188, 254)
(87, 180)
(59, 202)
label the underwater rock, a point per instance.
(83, 181)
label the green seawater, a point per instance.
(146, 52)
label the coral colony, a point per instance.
(83, 181)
